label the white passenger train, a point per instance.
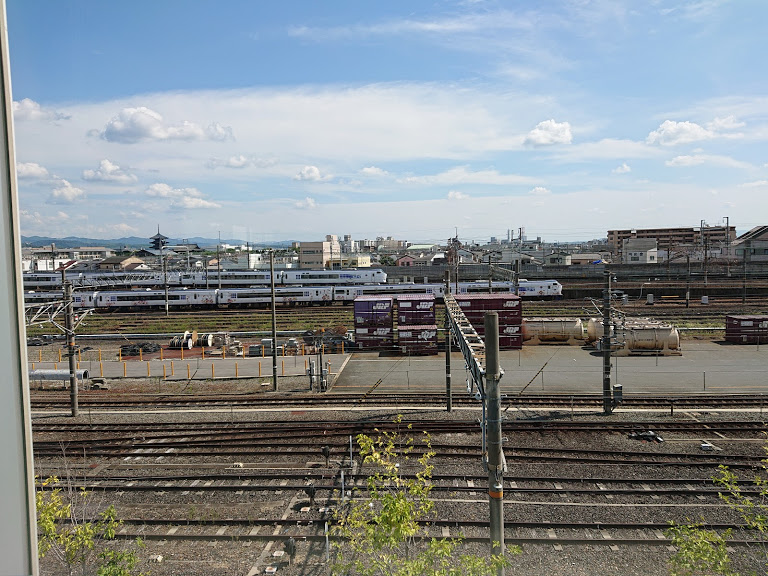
(210, 279)
(186, 298)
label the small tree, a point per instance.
(74, 541)
(699, 551)
(702, 551)
(383, 535)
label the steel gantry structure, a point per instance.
(484, 373)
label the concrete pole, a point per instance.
(490, 275)
(744, 284)
(320, 360)
(493, 424)
(606, 343)
(69, 326)
(448, 398)
(274, 319)
(165, 278)
(218, 260)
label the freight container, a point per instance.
(415, 309)
(378, 338)
(489, 302)
(514, 342)
(417, 339)
(373, 311)
(752, 329)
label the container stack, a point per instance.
(416, 329)
(374, 321)
(747, 329)
(509, 308)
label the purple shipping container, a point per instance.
(415, 309)
(380, 338)
(373, 311)
(417, 339)
(751, 329)
(489, 302)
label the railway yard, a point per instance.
(215, 471)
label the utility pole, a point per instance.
(69, 329)
(274, 318)
(490, 275)
(688, 280)
(320, 372)
(449, 399)
(727, 246)
(744, 291)
(519, 265)
(606, 344)
(165, 278)
(493, 425)
(218, 260)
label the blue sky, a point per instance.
(271, 121)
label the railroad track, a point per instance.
(42, 400)
(650, 535)
(322, 430)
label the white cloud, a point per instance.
(456, 195)
(606, 149)
(755, 184)
(623, 169)
(109, 172)
(31, 171)
(373, 171)
(219, 133)
(192, 203)
(548, 133)
(123, 228)
(164, 191)
(306, 204)
(312, 174)
(711, 159)
(461, 175)
(27, 109)
(686, 161)
(240, 161)
(540, 191)
(66, 193)
(180, 197)
(725, 124)
(672, 133)
(470, 23)
(142, 124)
(31, 218)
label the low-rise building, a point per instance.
(557, 259)
(120, 263)
(639, 251)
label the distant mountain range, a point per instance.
(134, 242)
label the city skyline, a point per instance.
(412, 120)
